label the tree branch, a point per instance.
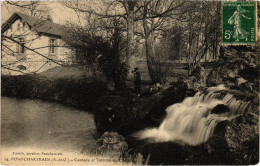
(4, 36)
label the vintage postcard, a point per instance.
(108, 82)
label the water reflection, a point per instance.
(34, 123)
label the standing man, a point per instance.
(137, 81)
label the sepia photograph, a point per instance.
(130, 82)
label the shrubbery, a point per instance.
(104, 54)
(78, 92)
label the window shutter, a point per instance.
(25, 45)
(17, 48)
(18, 27)
(56, 48)
(49, 46)
(24, 25)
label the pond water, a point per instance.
(44, 125)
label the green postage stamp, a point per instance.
(239, 23)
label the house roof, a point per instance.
(35, 24)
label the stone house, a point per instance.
(32, 45)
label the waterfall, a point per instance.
(192, 121)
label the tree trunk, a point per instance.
(189, 69)
(221, 52)
(149, 50)
(130, 31)
(150, 60)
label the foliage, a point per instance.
(168, 49)
(99, 53)
(114, 113)
(112, 65)
(200, 31)
(243, 140)
(154, 16)
(234, 66)
(171, 44)
(111, 141)
(77, 92)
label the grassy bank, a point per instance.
(69, 86)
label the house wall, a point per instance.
(31, 60)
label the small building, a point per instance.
(32, 45)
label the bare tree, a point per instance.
(156, 17)
(15, 41)
(201, 31)
(32, 8)
(113, 9)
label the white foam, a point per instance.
(191, 122)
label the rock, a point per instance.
(112, 141)
(139, 159)
(214, 78)
(249, 73)
(217, 148)
(111, 144)
(115, 112)
(126, 113)
(240, 81)
(219, 109)
(214, 151)
(243, 142)
(196, 80)
(194, 83)
(232, 74)
(155, 88)
(236, 68)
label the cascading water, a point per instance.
(192, 121)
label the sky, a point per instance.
(59, 13)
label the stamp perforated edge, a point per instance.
(239, 44)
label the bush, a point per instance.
(114, 113)
(77, 92)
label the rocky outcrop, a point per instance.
(126, 113)
(110, 145)
(243, 141)
(219, 109)
(114, 112)
(195, 81)
(111, 141)
(214, 151)
(238, 69)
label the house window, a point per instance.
(20, 46)
(23, 26)
(18, 26)
(52, 46)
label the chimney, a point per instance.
(48, 18)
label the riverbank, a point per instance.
(89, 95)
(79, 89)
(76, 90)
(235, 142)
(40, 132)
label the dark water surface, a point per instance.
(44, 125)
